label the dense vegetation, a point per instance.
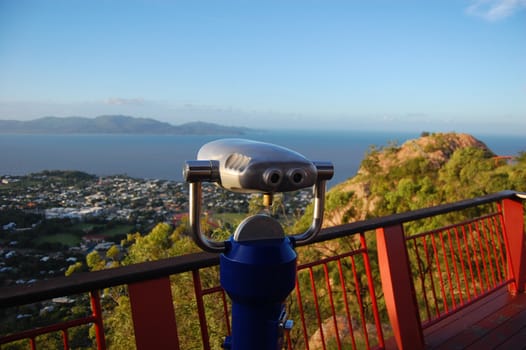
(432, 170)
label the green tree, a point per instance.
(113, 252)
(517, 173)
(95, 261)
(161, 242)
(76, 267)
(467, 174)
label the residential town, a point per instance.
(52, 219)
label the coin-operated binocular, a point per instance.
(258, 262)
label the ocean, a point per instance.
(162, 156)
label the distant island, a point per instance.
(114, 124)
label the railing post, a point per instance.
(153, 314)
(201, 309)
(513, 214)
(397, 285)
(97, 315)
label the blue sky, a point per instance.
(444, 65)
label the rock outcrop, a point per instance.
(434, 149)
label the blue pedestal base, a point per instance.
(258, 276)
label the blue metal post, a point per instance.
(258, 275)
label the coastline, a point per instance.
(162, 156)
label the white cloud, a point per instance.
(124, 101)
(494, 10)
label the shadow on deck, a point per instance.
(495, 322)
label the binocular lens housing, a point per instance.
(250, 166)
(297, 176)
(272, 177)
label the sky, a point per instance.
(436, 65)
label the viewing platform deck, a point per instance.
(446, 277)
(496, 322)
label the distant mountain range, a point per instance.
(114, 124)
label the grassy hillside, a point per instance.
(433, 169)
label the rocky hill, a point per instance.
(397, 178)
(436, 148)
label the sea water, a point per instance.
(162, 156)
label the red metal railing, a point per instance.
(345, 285)
(338, 301)
(200, 294)
(459, 264)
(94, 319)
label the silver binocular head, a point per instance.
(246, 166)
